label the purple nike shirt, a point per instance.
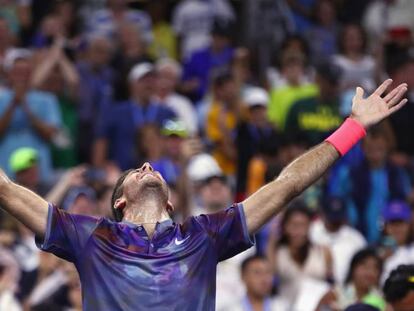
(121, 268)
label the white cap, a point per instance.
(256, 96)
(139, 71)
(202, 167)
(169, 63)
(14, 54)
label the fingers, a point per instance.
(381, 89)
(397, 97)
(394, 92)
(359, 93)
(398, 106)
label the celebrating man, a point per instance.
(143, 260)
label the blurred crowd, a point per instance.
(218, 96)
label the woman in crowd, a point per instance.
(294, 257)
(397, 246)
(361, 284)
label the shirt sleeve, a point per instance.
(66, 234)
(228, 230)
(51, 113)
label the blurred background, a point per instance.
(218, 95)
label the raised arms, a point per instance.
(305, 170)
(23, 204)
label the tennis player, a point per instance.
(144, 261)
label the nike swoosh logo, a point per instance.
(179, 242)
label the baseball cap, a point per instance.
(334, 208)
(140, 70)
(256, 96)
(174, 127)
(203, 167)
(22, 159)
(397, 210)
(14, 54)
(75, 193)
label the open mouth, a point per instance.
(148, 173)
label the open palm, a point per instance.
(371, 110)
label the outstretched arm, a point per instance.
(305, 170)
(23, 204)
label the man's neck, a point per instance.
(146, 213)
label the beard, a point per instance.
(153, 187)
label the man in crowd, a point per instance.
(257, 275)
(399, 288)
(143, 260)
(120, 124)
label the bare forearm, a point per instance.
(293, 180)
(69, 72)
(25, 206)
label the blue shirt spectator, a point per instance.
(20, 132)
(95, 89)
(205, 63)
(119, 126)
(367, 186)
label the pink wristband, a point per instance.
(346, 136)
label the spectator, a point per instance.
(176, 142)
(28, 118)
(361, 284)
(9, 275)
(397, 247)
(50, 29)
(24, 163)
(193, 20)
(358, 68)
(106, 21)
(208, 62)
(6, 41)
(257, 277)
(316, 117)
(120, 123)
(322, 36)
(252, 134)
(164, 44)
(168, 75)
(58, 75)
(302, 13)
(333, 232)
(294, 257)
(95, 90)
(383, 16)
(400, 67)
(288, 87)
(223, 115)
(370, 184)
(399, 288)
(131, 50)
(212, 193)
(17, 14)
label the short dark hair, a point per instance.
(249, 260)
(359, 257)
(117, 193)
(399, 283)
